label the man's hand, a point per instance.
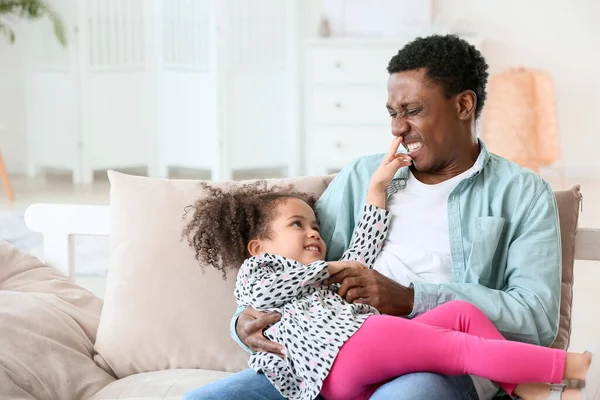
(250, 326)
(368, 286)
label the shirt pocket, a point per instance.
(487, 235)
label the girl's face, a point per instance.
(294, 234)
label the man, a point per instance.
(466, 225)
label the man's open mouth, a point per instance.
(412, 147)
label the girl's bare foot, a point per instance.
(533, 391)
(577, 365)
(541, 391)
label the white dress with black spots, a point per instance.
(315, 320)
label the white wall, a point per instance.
(12, 103)
(560, 37)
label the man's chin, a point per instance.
(417, 166)
(421, 166)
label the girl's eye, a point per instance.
(316, 228)
(296, 223)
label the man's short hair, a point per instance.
(450, 62)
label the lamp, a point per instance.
(519, 121)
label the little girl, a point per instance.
(344, 351)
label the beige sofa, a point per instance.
(163, 328)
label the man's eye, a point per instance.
(413, 112)
(393, 115)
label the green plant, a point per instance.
(30, 9)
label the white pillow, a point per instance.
(161, 310)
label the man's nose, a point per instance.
(400, 126)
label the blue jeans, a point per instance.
(248, 385)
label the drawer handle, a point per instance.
(338, 65)
(338, 105)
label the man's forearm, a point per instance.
(233, 330)
(518, 316)
(527, 307)
(402, 303)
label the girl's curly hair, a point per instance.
(225, 220)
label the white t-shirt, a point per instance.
(417, 247)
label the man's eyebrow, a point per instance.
(410, 103)
(404, 105)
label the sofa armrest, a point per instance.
(58, 223)
(587, 244)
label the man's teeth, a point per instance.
(413, 146)
(313, 248)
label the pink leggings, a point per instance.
(453, 339)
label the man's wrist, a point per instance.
(409, 301)
(415, 303)
(236, 335)
(235, 325)
(411, 290)
(406, 301)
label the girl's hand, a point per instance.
(392, 162)
(333, 267)
(384, 174)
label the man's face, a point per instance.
(426, 119)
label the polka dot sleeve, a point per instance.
(269, 281)
(369, 235)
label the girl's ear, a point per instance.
(255, 247)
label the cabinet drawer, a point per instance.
(334, 147)
(348, 105)
(350, 65)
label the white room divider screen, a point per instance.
(204, 84)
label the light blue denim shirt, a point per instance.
(504, 240)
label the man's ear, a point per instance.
(466, 103)
(255, 247)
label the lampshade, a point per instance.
(519, 121)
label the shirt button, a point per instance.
(402, 183)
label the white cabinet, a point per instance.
(344, 100)
(344, 108)
(204, 84)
